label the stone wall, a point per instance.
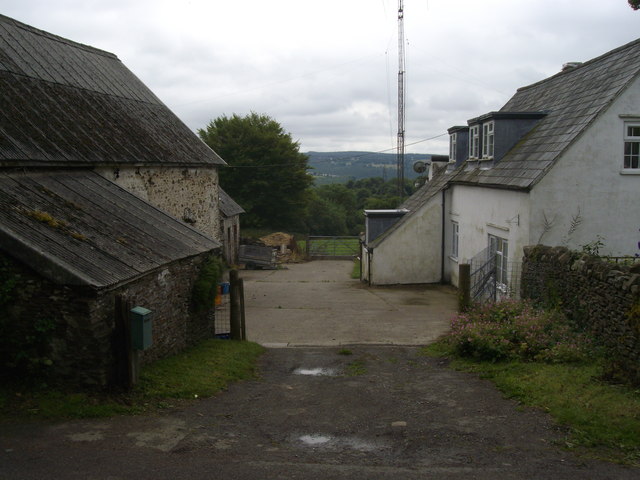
(189, 194)
(81, 344)
(598, 295)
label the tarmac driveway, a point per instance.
(317, 303)
(357, 412)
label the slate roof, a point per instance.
(67, 104)
(228, 205)
(76, 228)
(420, 197)
(573, 99)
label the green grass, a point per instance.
(603, 420)
(356, 368)
(199, 372)
(355, 273)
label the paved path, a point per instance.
(357, 412)
(317, 303)
(381, 413)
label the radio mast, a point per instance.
(401, 85)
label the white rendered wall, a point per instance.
(412, 254)
(587, 188)
(480, 212)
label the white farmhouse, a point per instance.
(558, 164)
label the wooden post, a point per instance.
(464, 286)
(125, 368)
(243, 324)
(234, 307)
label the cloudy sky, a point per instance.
(327, 70)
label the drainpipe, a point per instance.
(442, 245)
(369, 255)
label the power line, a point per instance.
(351, 156)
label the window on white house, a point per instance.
(499, 249)
(474, 141)
(453, 147)
(455, 230)
(632, 145)
(487, 140)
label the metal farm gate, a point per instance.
(483, 277)
(332, 248)
(485, 286)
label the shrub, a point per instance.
(205, 286)
(515, 330)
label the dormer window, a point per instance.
(453, 147)
(631, 145)
(487, 139)
(474, 141)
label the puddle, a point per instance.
(316, 372)
(353, 443)
(314, 440)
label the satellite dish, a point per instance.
(419, 167)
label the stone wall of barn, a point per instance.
(188, 194)
(599, 295)
(80, 322)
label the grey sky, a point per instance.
(327, 70)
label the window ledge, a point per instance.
(485, 159)
(630, 171)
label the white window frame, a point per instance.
(499, 248)
(455, 239)
(453, 147)
(488, 137)
(474, 141)
(631, 154)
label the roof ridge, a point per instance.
(582, 65)
(56, 38)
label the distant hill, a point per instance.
(339, 167)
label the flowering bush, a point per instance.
(511, 330)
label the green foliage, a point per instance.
(325, 217)
(337, 209)
(205, 286)
(382, 203)
(267, 174)
(635, 4)
(511, 330)
(593, 248)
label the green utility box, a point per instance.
(141, 328)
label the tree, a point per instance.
(635, 4)
(267, 174)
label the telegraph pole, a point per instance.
(401, 85)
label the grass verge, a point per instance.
(199, 372)
(355, 273)
(602, 420)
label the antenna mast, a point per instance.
(401, 84)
